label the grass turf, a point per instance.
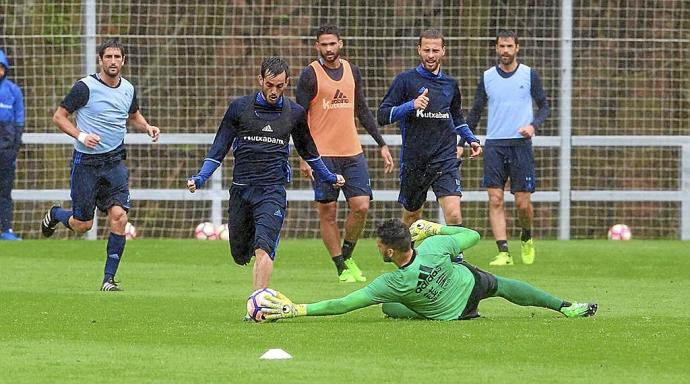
(179, 319)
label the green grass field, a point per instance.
(179, 319)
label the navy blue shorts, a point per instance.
(255, 218)
(356, 173)
(443, 178)
(101, 185)
(514, 162)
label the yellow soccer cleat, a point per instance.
(503, 258)
(354, 270)
(528, 252)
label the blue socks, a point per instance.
(116, 246)
(62, 215)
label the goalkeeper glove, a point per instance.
(421, 229)
(280, 307)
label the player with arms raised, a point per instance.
(427, 285)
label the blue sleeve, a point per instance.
(306, 87)
(466, 135)
(480, 99)
(322, 172)
(538, 94)
(460, 126)
(362, 111)
(134, 107)
(306, 148)
(207, 168)
(18, 106)
(393, 107)
(221, 144)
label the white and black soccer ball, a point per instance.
(222, 232)
(205, 231)
(130, 231)
(620, 232)
(256, 301)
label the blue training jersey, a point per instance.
(101, 109)
(259, 135)
(430, 135)
(509, 96)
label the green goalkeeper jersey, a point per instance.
(429, 284)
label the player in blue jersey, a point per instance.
(426, 284)
(509, 88)
(11, 128)
(258, 128)
(103, 104)
(427, 103)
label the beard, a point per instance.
(507, 59)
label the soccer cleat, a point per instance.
(9, 235)
(346, 276)
(528, 252)
(354, 269)
(49, 223)
(503, 258)
(579, 310)
(110, 285)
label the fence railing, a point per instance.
(216, 194)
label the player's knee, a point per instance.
(118, 218)
(495, 201)
(523, 205)
(360, 210)
(328, 212)
(80, 226)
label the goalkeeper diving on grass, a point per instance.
(427, 285)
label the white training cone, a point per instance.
(275, 354)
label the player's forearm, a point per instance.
(389, 115)
(480, 99)
(369, 123)
(322, 172)
(61, 120)
(466, 237)
(207, 168)
(138, 121)
(351, 302)
(538, 94)
(465, 134)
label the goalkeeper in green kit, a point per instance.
(427, 285)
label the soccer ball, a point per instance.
(620, 232)
(130, 231)
(205, 231)
(222, 232)
(256, 301)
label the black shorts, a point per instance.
(356, 173)
(485, 285)
(515, 162)
(443, 178)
